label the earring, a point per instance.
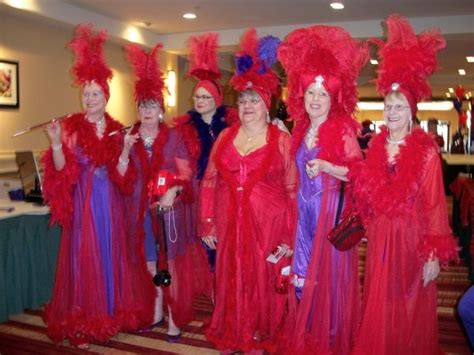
(410, 124)
(268, 117)
(160, 117)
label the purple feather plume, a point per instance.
(243, 63)
(267, 52)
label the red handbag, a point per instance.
(348, 231)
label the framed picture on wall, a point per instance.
(9, 84)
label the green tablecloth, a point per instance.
(28, 253)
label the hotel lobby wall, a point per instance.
(46, 89)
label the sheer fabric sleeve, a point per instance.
(438, 239)
(58, 185)
(184, 169)
(290, 180)
(352, 151)
(206, 222)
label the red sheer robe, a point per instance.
(248, 202)
(404, 209)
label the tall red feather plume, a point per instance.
(407, 59)
(149, 83)
(89, 64)
(257, 77)
(203, 56)
(327, 51)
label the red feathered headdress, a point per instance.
(325, 54)
(89, 63)
(406, 61)
(253, 66)
(149, 82)
(204, 66)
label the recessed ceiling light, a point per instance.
(470, 59)
(189, 16)
(374, 61)
(337, 5)
(461, 72)
(448, 94)
(451, 90)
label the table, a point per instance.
(463, 218)
(28, 253)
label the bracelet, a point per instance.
(57, 147)
(331, 168)
(123, 162)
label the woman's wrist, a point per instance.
(57, 146)
(124, 161)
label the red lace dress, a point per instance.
(248, 202)
(404, 210)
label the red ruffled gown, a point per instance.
(100, 287)
(248, 202)
(185, 257)
(404, 209)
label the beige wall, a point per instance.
(46, 89)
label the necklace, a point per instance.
(251, 138)
(148, 139)
(396, 142)
(310, 135)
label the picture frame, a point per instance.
(9, 84)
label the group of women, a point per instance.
(264, 200)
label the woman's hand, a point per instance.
(167, 200)
(128, 141)
(430, 271)
(315, 166)
(210, 241)
(54, 132)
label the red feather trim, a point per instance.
(380, 192)
(89, 62)
(331, 136)
(149, 83)
(443, 247)
(58, 186)
(271, 151)
(203, 56)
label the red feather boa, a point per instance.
(331, 136)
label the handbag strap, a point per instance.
(340, 203)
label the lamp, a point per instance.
(171, 85)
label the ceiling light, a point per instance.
(470, 59)
(451, 90)
(448, 95)
(461, 72)
(374, 61)
(337, 5)
(189, 16)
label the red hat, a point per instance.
(326, 55)
(253, 66)
(89, 62)
(406, 61)
(149, 82)
(204, 66)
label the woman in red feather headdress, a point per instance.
(400, 196)
(247, 208)
(98, 288)
(322, 65)
(202, 125)
(156, 150)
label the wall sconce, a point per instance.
(171, 85)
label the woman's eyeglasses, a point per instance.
(396, 107)
(202, 97)
(253, 101)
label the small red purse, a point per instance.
(347, 231)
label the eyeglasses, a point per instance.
(253, 101)
(396, 107)
(202, 97)
(151, 106)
